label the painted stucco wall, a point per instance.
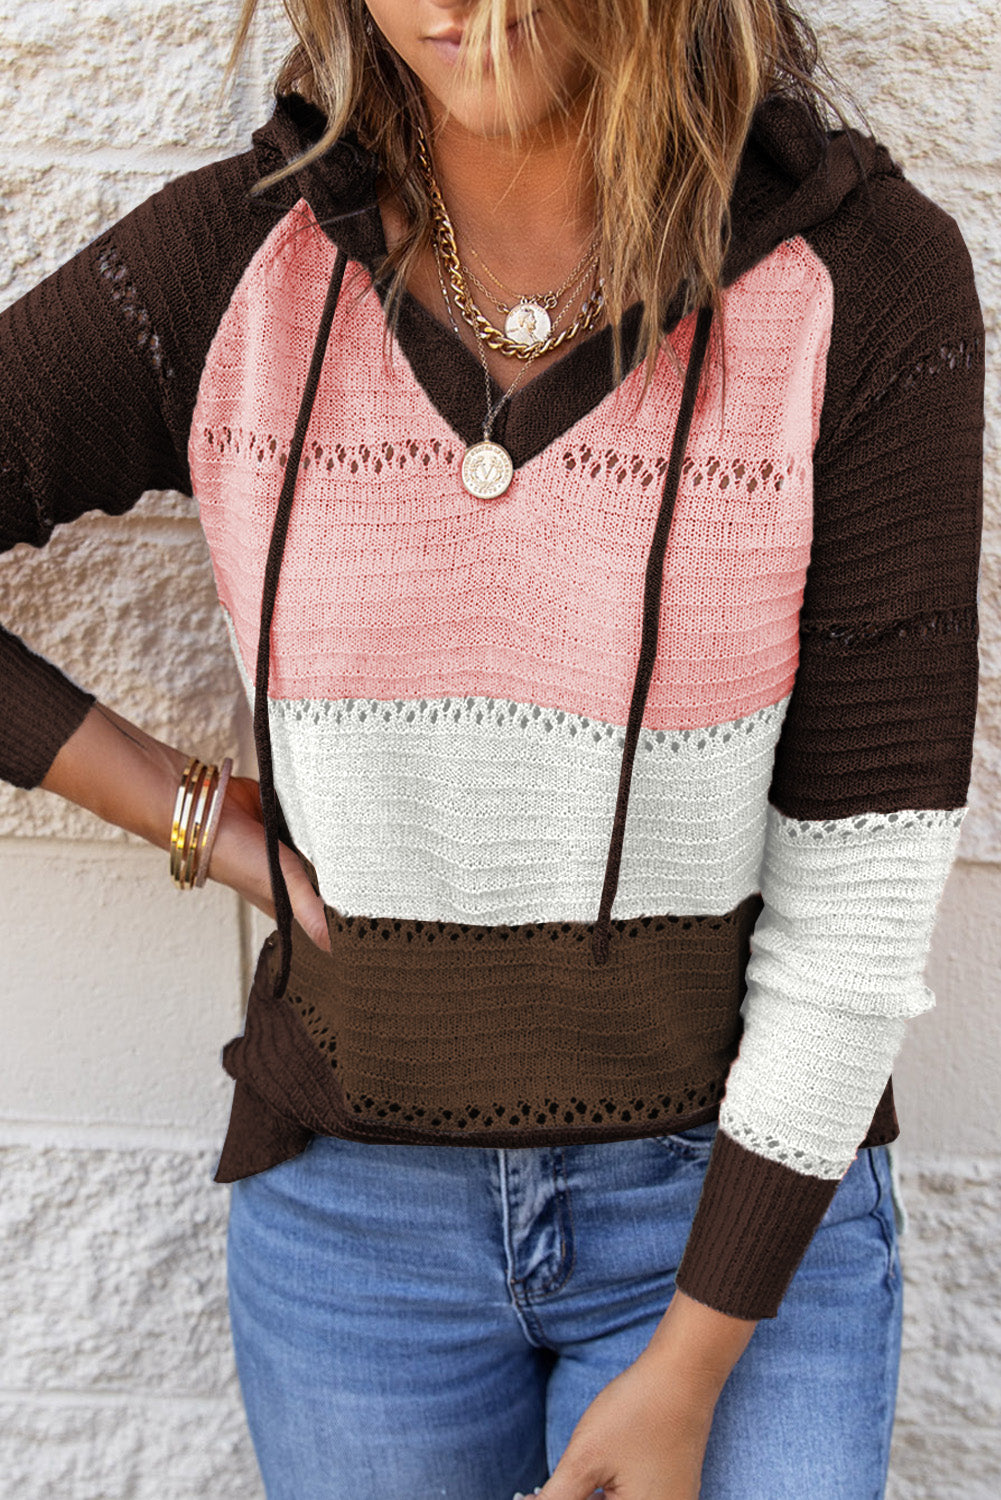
(116, 992)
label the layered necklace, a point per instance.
(527, 321)
(532, 327)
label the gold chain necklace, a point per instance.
(544, 303)
(545, 300)
(487, 467)
(528, 331)
(530, 325)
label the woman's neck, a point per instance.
(529, 213)
(528, 209)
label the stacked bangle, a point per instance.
(197, 811)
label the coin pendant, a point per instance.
(487, 470)
(527, 323)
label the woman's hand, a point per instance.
(644, 1436)
(124, 775)
(240, 860)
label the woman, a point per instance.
(521, 369)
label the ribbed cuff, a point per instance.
(754, 1221)
(41, 709)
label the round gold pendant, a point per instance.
(527, 323)
(487, 470)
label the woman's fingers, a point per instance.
(240, 860)
(307, 906)
(641, 1438)
(572, 1479)
(594, 1495)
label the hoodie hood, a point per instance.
(792, 177)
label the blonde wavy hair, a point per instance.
(673, 88)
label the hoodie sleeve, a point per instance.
(81, 376)
(99, 370)
(873, 765)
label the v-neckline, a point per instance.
(540, 412)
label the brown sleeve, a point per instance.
(882, 712)
(99, 371)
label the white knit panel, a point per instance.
(486, 811)
(482, 810)
(836, 968)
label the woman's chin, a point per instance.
(480, 112)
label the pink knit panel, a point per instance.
(396, 583)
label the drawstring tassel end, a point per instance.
(284, 964)
(600, 941)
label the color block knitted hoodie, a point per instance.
(562, 907)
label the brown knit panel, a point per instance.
(99, 369)
(288, 1084)
(100, 363)
(792, 178)
(752, 1227)
(878, 727)
(883, 707)
(170, 269)
(474, 1028)
(258, 1137)
(417, 1030)
(81, 431)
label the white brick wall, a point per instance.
(116, 1379)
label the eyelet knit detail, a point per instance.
(537, 1114)
(564, 934)
(508, 716)
(961, 355)
(867, 826)
(126, 294)
(364, 459)
(807, 1162)
(941, 623)
(752, 476)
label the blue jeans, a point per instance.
(431, 1321)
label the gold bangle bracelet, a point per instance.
(186, 816)
(190, 817)
(182, 812)
(175, 823)
(193, 855)
(212, 821)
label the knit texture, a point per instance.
(406, 1036)
(99, 367)
(451, 681)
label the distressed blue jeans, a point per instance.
(430, 1322)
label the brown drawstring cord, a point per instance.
(652, 589)
(644, 670)
(276, 549)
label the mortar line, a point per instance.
(54, 1397)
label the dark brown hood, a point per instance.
(792, 177)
